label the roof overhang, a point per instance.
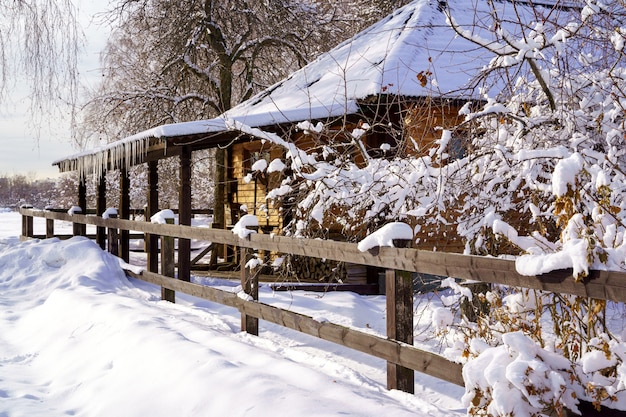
(167, 140)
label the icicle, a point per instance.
(118, 155)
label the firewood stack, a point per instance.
(300, 268)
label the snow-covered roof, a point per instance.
(385, 58)
(412, 53)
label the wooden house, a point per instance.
(406, 76)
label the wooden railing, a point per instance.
(396, 348)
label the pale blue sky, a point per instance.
(21, 152)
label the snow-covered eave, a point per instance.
(111, 156)
(133, 149)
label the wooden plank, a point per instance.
(81, 229)
(168, 264)
(608, 285)
(124, 213)
(250, 285)
(101, 206)
(201, 255)
(399, 297)
(49, 228)
(196, 290)
(184, 213)
(177, 231)
(28, 227)
(383, 348)
(390, 350)
(152, 241)
(113, 237)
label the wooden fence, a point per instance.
(402, 358)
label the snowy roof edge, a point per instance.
(122, 152)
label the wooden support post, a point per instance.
(78, 229)
(113, 237)
(184, 214)
(152, 241)
(219, 194)
(101, 206)
(399, 294)
(249, 285)
(167, 264)
(81, 229)
(27, 225)
(49, 228)
(124, 213)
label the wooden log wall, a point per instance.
(253, 194)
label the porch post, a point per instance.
(152, 241)
(124, 213)
(81, 229)
(101, 206)
(184, 214)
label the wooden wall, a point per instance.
(415, 126)
(253, 194)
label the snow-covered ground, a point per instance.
(79, 338)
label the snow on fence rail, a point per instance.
(396, 349)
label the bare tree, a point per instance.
(177, 61)
(39, 45)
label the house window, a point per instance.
(255, 156)
(457, 147)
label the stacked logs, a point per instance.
(301, 268)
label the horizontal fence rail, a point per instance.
(383, 348)
(606, 285)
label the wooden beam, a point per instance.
(82, 194)
(168, 264)
(81, 229)
(113, 237)
(27, 226)
(184, 214)
(49, 228)
(101, 206)
(604, 285)
(250, 286)
(202, 254)
(124, 213)
(152, 240)
(378, 346)
(399, 297)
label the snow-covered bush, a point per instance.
(541, 175)
(518, 378)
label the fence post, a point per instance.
(250, 286)
(113, 236)
(78, 229)
(49, 228)
(27, 224)
(399, 296)
(168, 264)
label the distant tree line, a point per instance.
(16, 190)
(62, 192)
